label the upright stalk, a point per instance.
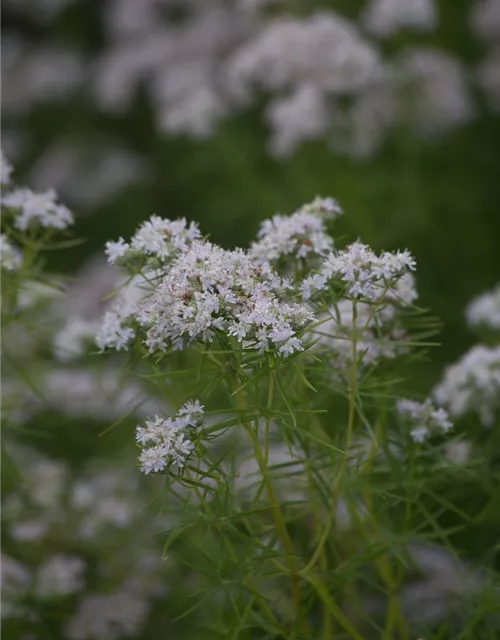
(279, 519)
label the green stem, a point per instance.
(231, 550)
(279, 519)
(343, 463)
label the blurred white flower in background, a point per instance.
(16, 583)
(424, 418)
(472, 384)
(10, 257)
(384, 17)
(108, 616)
(59, 576)
(484, 311)
(89, 175)
(37, 208)
(435, 94)
(485, 23)
(98, 510)
(200, 62)
(37, 74)
(489, 77)
(485, 19)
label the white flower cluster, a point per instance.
(485, 22)
(38, 74)
(179, 63)
(433, 90)
(100, 512)
(424, 417)
(289, 51)
(112, 333)
(16, 584)
(91, 173)
(306, 64)
(219, 57)
(363, 274)
(70, 341)
(108, 616)
(164, 441)
(442, 577)
(37, 208)
(115, 331)
(158, 237)
(10, 257)
(209, 290)
(299, 235)
(485, 19)
(379, 331)
(302, 114)
(82, 393)
(60, 575)
(472, 384)
(384, 17)
(26, 210)
(484, 311)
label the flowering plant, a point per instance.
(298, 492)
(297, 470)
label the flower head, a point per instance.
(484, 311)
(299, 235)
(37, 208)
(165, 441)
(156, 238)
(424, 417)
(472, 384)
(363, 274)
(10, 257)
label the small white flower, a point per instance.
(425, 417)
(112, 334)
(10, 257)
(380, 332)
(15, 577)
(164, 238)
(485, 20)
(108, 616)
(208, 290)
(385, 17)
(419, 434)
(154, 459)
(38, 208)
(441, 419)
(70, 341)
(116, 250)
(484, 311)
(364, 274)
(164, 441)
(458, 452)
(29, 530)
(298, 235)
(191, 408)
(472, 384)
(59, 576)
